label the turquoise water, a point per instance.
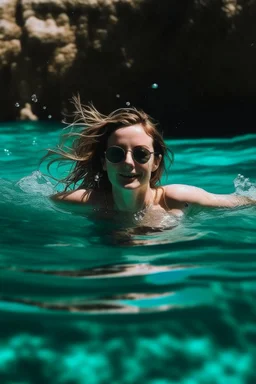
(82, 302)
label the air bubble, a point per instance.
(17, 105)
(128, 103)
(154, 86)
(44, 107)
(34, 98)
(117, 96)
(49, 116)
(7, 152)
(34, 142)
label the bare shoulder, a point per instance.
(192, 195)
(183, 193)
(173, 197)
(77, 196)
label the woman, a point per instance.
(118, 161)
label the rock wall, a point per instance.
(200, 53)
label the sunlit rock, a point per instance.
(27, 114)
(193, 51)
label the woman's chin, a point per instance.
(127, 181)
(130, 184)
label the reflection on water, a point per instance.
(107, 271)
(114, 304)
(129, 302)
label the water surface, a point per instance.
(83, 301)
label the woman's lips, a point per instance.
(129, 176)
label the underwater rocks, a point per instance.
(162, 56)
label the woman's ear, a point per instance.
(157, 161)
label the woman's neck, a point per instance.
(132, 200)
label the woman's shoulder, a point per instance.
(76, 196)
(178, 191)
(185, 193)
(172, 197)
(181, 193)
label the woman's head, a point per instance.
(93, 138)
(131, 159)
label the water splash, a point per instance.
(36, 183)
(244, 186)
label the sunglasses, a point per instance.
(117, 154)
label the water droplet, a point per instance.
(44, 107)
(117, 96)
(17, 105)
(34, 142)
(154, 86)
(49, 116)
(128, 103)
(34, 98)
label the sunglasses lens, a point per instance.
(141, 155)
(115, 154)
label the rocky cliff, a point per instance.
(168, 56)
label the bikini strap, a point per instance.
(165, 203)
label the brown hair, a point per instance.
(89, 133)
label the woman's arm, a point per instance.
(194, 195)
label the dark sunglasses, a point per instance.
(117, 154)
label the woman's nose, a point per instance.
(128, 158)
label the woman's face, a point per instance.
(129, 174)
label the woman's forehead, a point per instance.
(133, 134)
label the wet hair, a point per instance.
(89, 134)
